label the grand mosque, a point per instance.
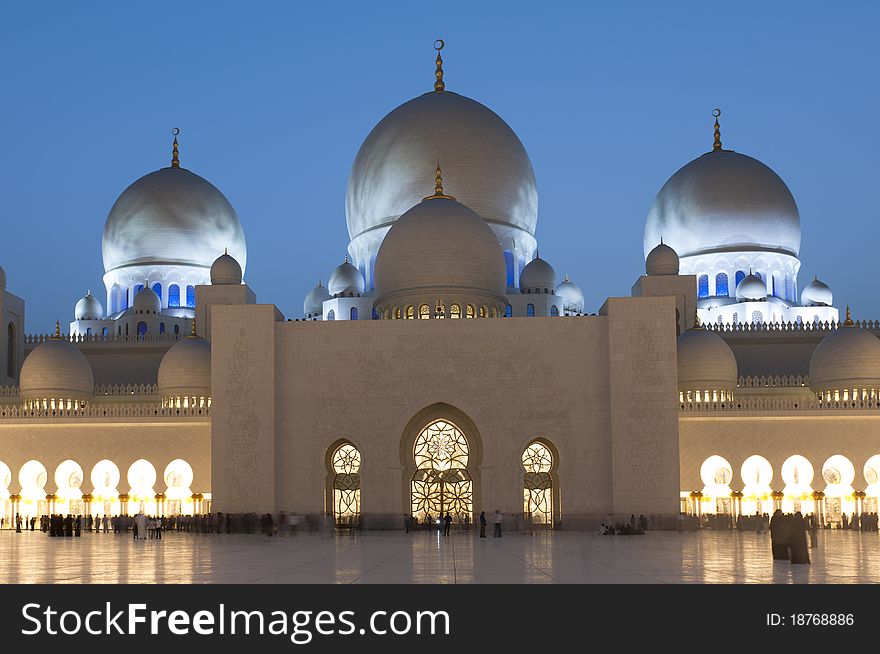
(446, 366)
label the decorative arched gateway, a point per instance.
(345, 486)
(537, 459)
(441, 483)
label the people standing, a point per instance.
(800, 553)
(447, 524)
(497, 523)
(406, 523)
(483, 524)
(778, 546)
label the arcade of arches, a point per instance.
(831, 494)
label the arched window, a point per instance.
(720, 320)
(375, 314)
(331, 315)
(142, 329)
(173, 296)
(126, 330)
(440, 310)
(757, 317)
(104, 332)
(469, 311)
(483, 312)
(508, 311)
(346, 468)
(424, 312)
(740, 275)
(114, 299)
(353, 314)
(441, 482)
(538, 484)
(161, 327)
(157, 289)
(799, 321)
(176, 330)
(554, 310)
(125, 300)
(703, 286)
(410, 312)
(191, 297)
(508, 262)
(396, 313)
(88, 331)
(721, 289)
(735, 318)
(455, 311)
(10, 350)
(530, 309)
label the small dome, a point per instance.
(849, 357)
(146, 301)
(313, 305)
(440, 247)
(2, 277)
(705, 362)
(56, 369)
(185, 370)
(345, 278)
(816, 293)
(572, 296)
(225, 270)
(538, 276)
(751, 287)
(88, 308)
(662, 260)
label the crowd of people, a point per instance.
(788, 536)
(631, 528)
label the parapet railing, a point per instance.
(167, 337)
(759, 404)
(127, 389)
(138, 410)
(764, 327)
(773, 381)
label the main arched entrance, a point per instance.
(441, 483)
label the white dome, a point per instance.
(225, 270)
(724, 202)
(751, 287)
(88, 308)
(440, 247)
(662, 260)
(345, 278)
(483, 162)
(849, 357)
(313, 305)
(538, 276)
(56, 369)
(705, 362)
(171, 217)
(146, 301)
(572, 296)
(816, 292)
(185, 370)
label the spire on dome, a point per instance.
(439, 86)
(716, 146)
(849, 321)
(193, 333)
(57, 336)
(175, 158)
(438, 186)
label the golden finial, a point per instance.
(697, 323)
(346, 259)
(193, 332)
(849, 321)
(225, 250)
(438, 186)
(565, 277)
(439, 86)
(175, 159)
(717, 145)
(57, 336)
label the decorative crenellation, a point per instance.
(775, 404)
(773, 381)
(168, 337)
(746, 327)
(126, 389)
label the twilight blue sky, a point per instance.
(274, 99)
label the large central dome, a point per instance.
(482, 159)
(724, 201)
(171, 217)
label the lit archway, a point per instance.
(757, 473)
(69, 479)
(872, 477)
(141, 479)
(105, 496)
(178, 478)
(716, 474)
(538, 461)
(32, 476)
(5, 504)
(441, 483)
(345, 484)
(838, 473)
(797, 473)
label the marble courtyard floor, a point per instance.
(421, 557)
